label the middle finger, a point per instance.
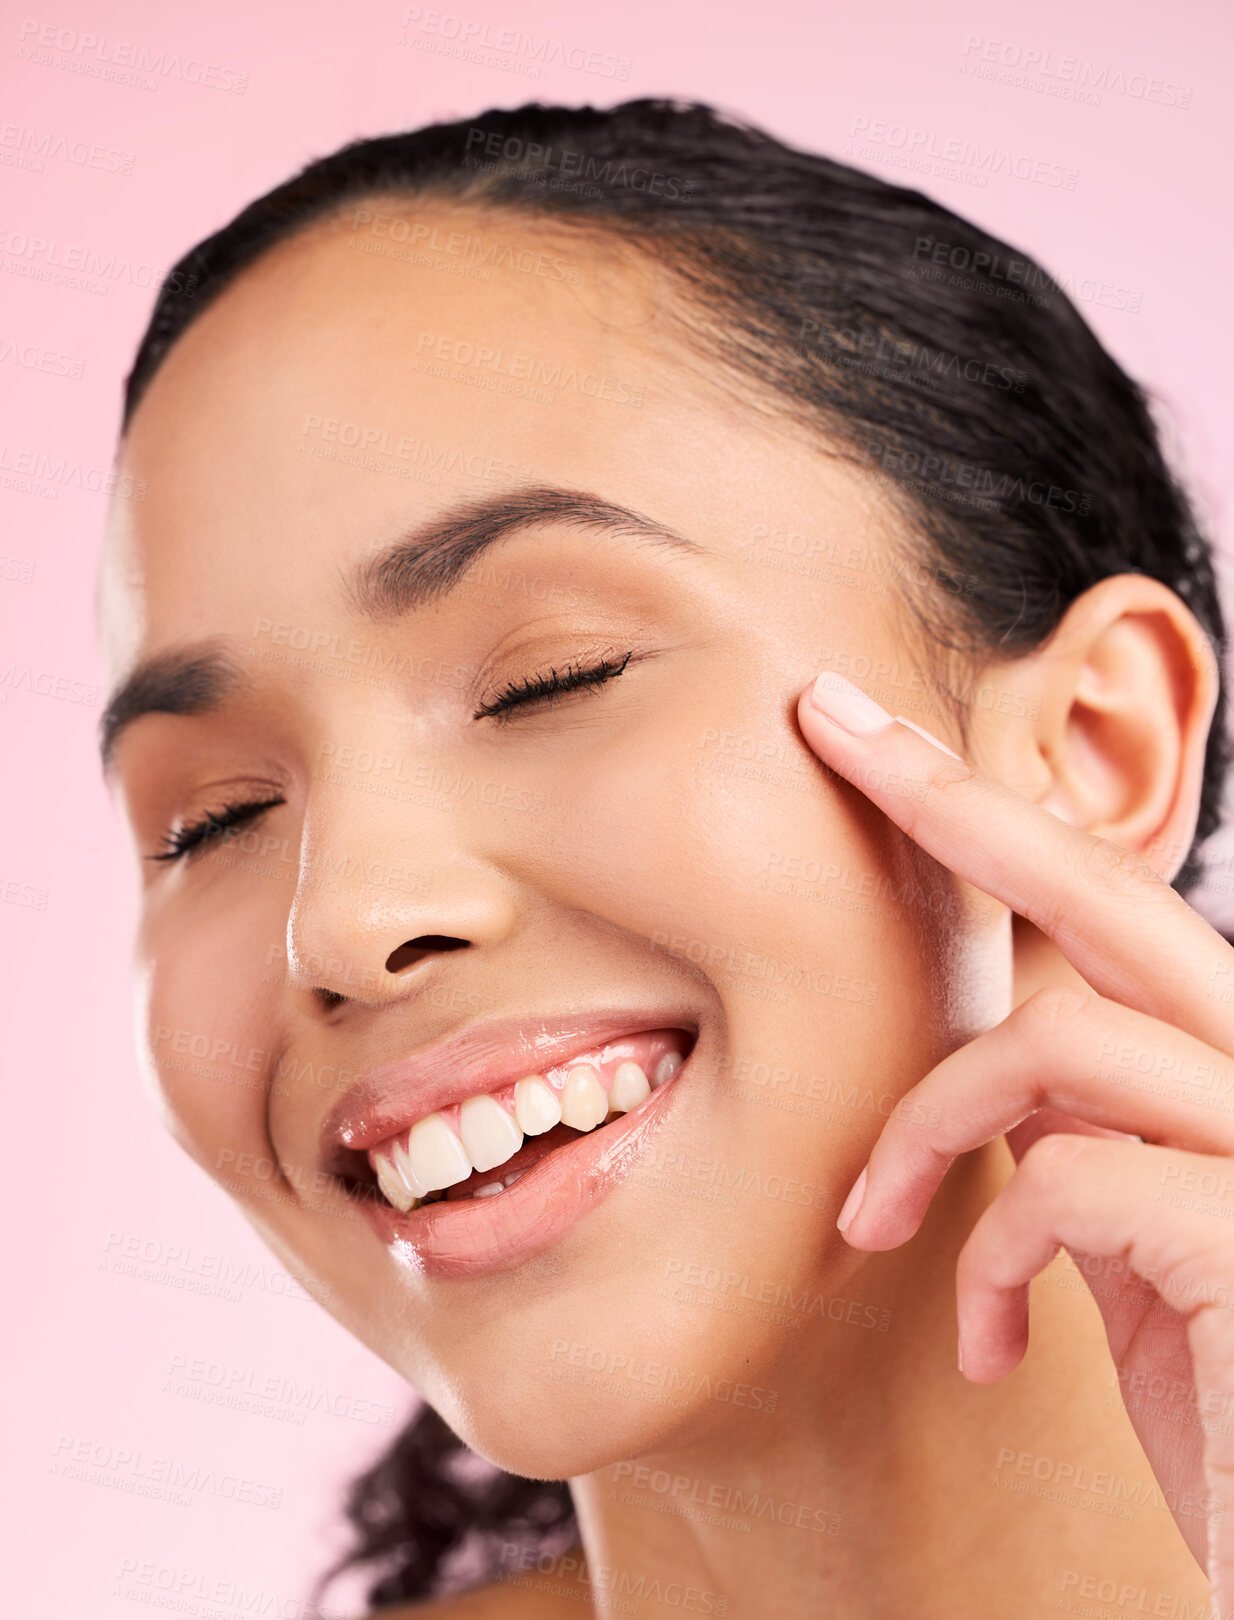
(1065, 1049)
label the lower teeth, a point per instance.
(489, 1190)
(493, 1187)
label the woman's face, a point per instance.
(655, 851)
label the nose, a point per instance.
(368, 925)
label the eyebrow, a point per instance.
(422, 566)
(193, 681)
(415, 570)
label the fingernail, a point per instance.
(847, 704)
(928, 735)
(852, 1203)
(959, 1353)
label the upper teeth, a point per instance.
(584, 1102)
(435, 1155)
(489, 1134)
(535, 1107)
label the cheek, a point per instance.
(678, 828)
(825, 934)
(211, 985)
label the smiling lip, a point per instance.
(470, 1237)
(473, 1237)
(386, 1101)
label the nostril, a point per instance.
(413, 950)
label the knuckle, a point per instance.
(1059, 1005)
(949, 773)
(942, 779)
(1117, 868)
(1050, 1155)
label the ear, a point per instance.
(1111, 720)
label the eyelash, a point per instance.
(536, 688)
(183, 841)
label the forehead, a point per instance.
(398, 358)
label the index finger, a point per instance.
(1119, 924)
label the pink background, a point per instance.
(114, 1234)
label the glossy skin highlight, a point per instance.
(627, 843)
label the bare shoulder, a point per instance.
(562, 1594)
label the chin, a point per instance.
(568, 1420)
(568, 1377)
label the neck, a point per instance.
(882, 1474)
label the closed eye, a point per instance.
(194, 835)
(544, 688)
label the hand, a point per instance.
(1151, 1222)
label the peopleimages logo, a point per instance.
(42, 472)
(463, 35)
(485, 253)
(460, 360)
(882, 140)
(936, 472)
(567, 168)
(33, 357)
(1014, 273)
(72, 264)
(30, 148)
(123, 61)
(875, 350)
(1073, 70)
